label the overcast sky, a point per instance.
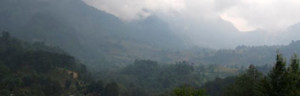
(216, 23)
(245, 15)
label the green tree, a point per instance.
(275, 83)
(293, 77)
(112, 89)
(4, 70)
(246, 84)
(5, 35)
(52, 88)
(96, 88)
(188, 91)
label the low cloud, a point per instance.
(244, 15)
(268, 15)
(128, 10)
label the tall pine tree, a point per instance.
(246, 84)
(275, 83)
(293, 77)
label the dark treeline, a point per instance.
(39, 70)
(150, 78)
(108, 47)
(282, 80)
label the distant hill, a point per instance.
(241, 55)
(84, 31)
(36, 69)
(100, 39)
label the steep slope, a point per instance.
(38, 70)
(85, 32)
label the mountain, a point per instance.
(84, 31)
(36, 69)
(100, 39)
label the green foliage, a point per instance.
(142, 68)
(112, 89)
(27, 70)
(275, 83)
(96, 88)
(149, 78)
(188, 91)
(52, 88)
(35, 69)
(293, 77)
(218, 86)
(246, 84)
(281, 81)
(4, 70)
(183, 68)
(5, 35)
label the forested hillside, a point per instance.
(35, 69)
(68, 48)
(151, 78)
(87, 33)
(242, 55)
(102, 41)
(281, 80)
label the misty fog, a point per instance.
(149, 48)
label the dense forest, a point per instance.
(29, 69)
(36, 69)
(69, 48)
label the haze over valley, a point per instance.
(149, 47)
